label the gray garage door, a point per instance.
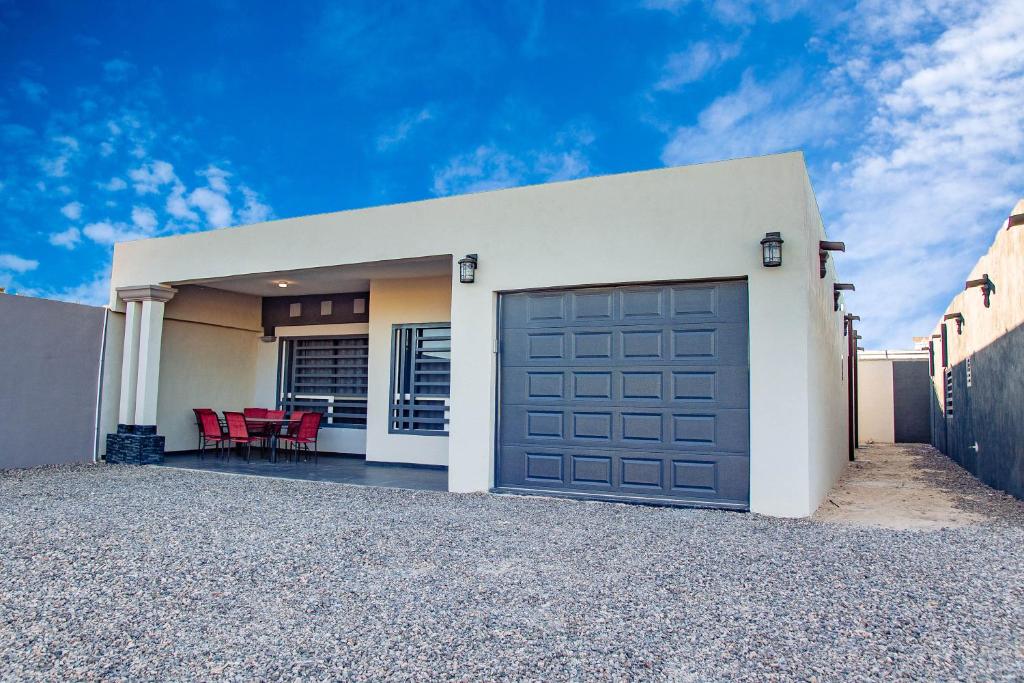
(634, 392)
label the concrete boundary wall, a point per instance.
(977, 398)
(49, 371)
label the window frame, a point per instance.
(397, 407)
(285, 377)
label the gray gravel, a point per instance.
(147, 573)
(968, 493)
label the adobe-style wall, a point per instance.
(982, 425)
(49, 371)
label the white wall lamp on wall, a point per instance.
(840, 287)
(771, 249)
(467, 268)
(987, 287)
(824, 247)
(959, 318)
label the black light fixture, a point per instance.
(824, 247)
(840, 287)
(467, 268)
(959, 318)
(771, 250)
(987, 287)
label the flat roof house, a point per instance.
(621, 338)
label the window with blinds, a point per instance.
(327, 375)
(949, 392)
(420, 379)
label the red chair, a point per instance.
(305, 434)
(238, 432)
(292, 428)
(209, 430)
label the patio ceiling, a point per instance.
(327, 280)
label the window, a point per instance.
(327, 375)
(420, 378)
(949, 392)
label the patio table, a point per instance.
(274, 424)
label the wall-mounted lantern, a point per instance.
(987, 287)
(840, 287)
(467, 268)
(824, 247)
(849, 318)
(1015, 219)
(771, 250)
(959, 318)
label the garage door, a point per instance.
(633, 392)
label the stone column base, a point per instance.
(135, 445)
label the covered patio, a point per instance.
(339, 469)
(366, 346)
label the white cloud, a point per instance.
(150, 177)
(941, 164)
(115, 184)
(254, 211)
(757, 119)
(93, 292)
(693, 63)
(107, 232)
(555, 166)
(143, 218)
(33, 91)
(17, 264)
(217, 178)
(106, 149)
(117, 70)
(177, 205)
(485, 168)
(401, 130)
(72, 211)
(490, 167)
(214, 205)
(68, 239)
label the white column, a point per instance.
(140, 368)
(129, 363)
(151, 332)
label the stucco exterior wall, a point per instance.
(985, 432)
(393, 302)
(687, 223)
(208, 360)
(827, 403)
(49, 371)
(876, 410)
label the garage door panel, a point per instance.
(678, 343)
(690, 387)
(634, 391)
(700, 477)
(627, 428)
(625, 305)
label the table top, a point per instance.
(271, 419)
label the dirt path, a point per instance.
(913, 486)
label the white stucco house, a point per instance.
(622, 337)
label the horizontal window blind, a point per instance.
(420, 378)
(327, 375)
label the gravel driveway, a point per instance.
(150, 573)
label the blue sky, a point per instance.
(125, 119)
